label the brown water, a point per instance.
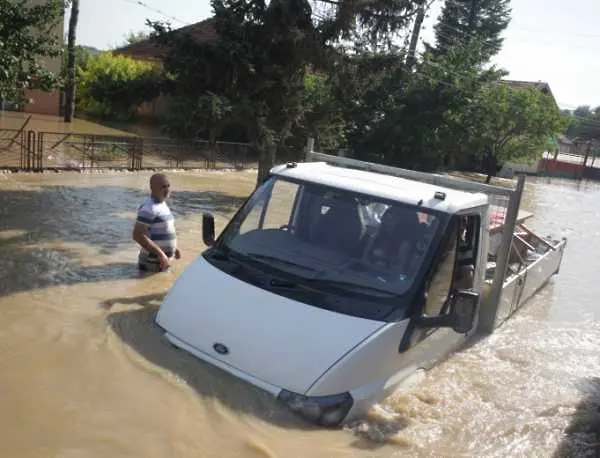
(85, 373)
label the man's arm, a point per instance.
(140, 235)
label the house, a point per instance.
(542, 86)
(47, 103)
(201, 32)
(565, 145)
(560, 141)
(146, 50)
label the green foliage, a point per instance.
(82, 57)
(374, 21)
(514, 122)
(583, 123)
(135, 37)
(277, 70)
(27, 39)
(260, 62)
(322, 119)
(463, 21)
(196, 117)
(419, 119)
(114, 86)
(83, 54)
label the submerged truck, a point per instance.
(338, 279)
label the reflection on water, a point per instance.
(85, 372)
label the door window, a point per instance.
(455, 267)
(441, 277)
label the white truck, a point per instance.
(338, 279)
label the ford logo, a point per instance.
(220, 348)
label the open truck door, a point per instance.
(445, 311)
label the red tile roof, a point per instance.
(200, 32)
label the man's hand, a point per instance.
(164, 261)
(177, 253)
(140, 236)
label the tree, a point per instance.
(513, 122)
(260, 61)
(135, 37)
(114, 86)
(71, 65)
(462, 21)
(27, 36)
(419, 120)
(583, 123)
(322, 118)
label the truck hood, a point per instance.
(282, 342)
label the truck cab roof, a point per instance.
(382, 185)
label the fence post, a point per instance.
(23, 151)
(310, 147)
(40, 150)
(30, 150)
(487, 319)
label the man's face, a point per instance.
(161, 188)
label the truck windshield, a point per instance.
(334, 240)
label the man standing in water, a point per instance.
(154, 228)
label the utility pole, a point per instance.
(587, 153)
(70, 86)
(585, 158)
(412, 49)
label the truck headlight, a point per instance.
(322, 410)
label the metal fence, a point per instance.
(169, 153)
(68, 150)
(34, 151)
(12, 145)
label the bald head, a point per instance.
(159, 186)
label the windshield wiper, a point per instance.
(346, 285)
(264, 257)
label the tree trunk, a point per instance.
(410, 59)
(490, 169)
(212, 145)
(490, 165)
(472, 18)
(70, 86)
(266, 160)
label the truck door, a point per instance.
(454, 268)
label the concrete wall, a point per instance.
(510, 168)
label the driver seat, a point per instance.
(338, 225)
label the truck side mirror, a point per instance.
(460, 317)
(463, 308)
(208, 229)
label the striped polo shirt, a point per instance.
(159, 219)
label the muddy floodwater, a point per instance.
(84, 372)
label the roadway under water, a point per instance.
(85, 373)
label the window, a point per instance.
(281, 205)
(279, 201)
(455, 268)
(439, 286)
(468, 246)
(335, 243)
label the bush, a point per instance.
(114, 86)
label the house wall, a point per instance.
(550, 167)
(565, 148)
(156, 108)
(47, 102)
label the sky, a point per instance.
(555, 41)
